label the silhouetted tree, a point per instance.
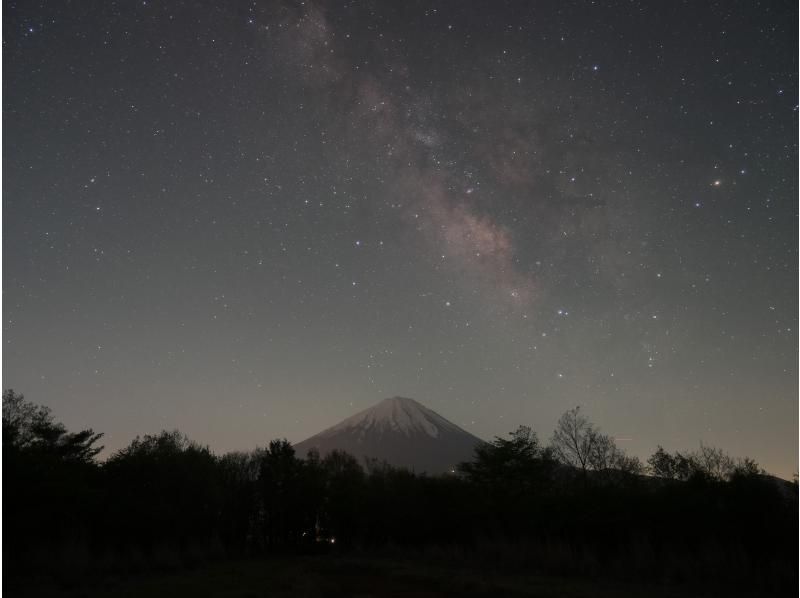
(165, 491)
(51, 486)
(713, 463)
(240, 501)
(519, 460)
(578, 443)
(662, 464)
(746, 467)
(606, 456)
(344, 489)
(31, 428)
(279, 475)
(311, 497)
(574, 440)
(708, 463)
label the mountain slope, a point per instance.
(400, 431)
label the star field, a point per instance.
(249, 219)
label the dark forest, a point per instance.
(165, 503)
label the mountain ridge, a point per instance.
(400, 431)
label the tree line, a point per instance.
(576, 506)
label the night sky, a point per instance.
(250, 220)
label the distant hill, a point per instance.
(400, 431)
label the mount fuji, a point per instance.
(400, 431)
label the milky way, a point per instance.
(251, 219)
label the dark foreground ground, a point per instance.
(332, 576)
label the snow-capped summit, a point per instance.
(397, 414)
(400, 431)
